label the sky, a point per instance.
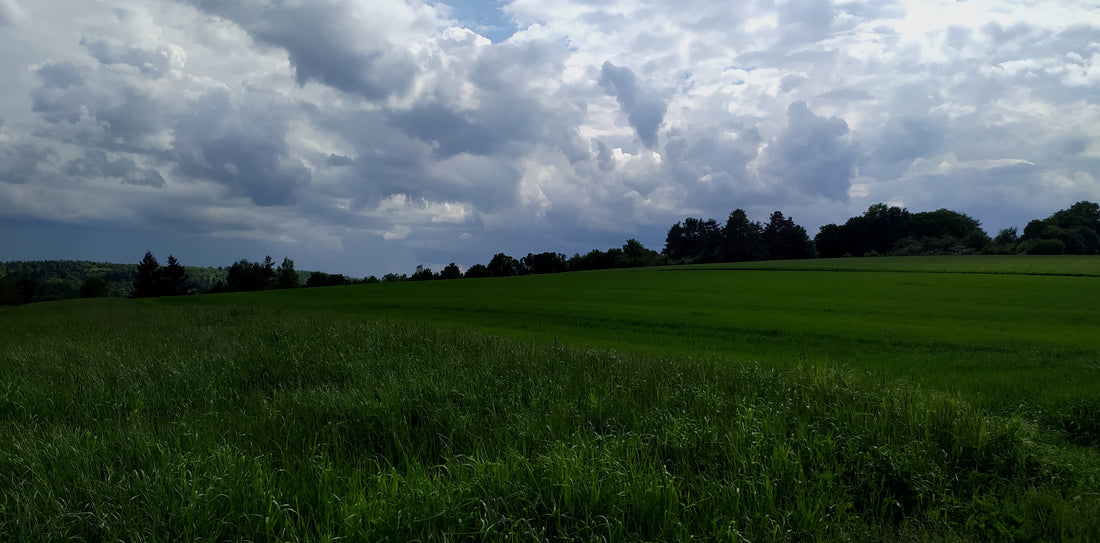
(369, 137)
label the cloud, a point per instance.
(23, 161)
(336, 128)
(240, 148)
(96, 163)
(10, 14)
(643, 107)
(812, 155)
(344, 45)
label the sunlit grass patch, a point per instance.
(152, 422)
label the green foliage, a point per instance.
(151, 279)
(503, 265)
(176, 419)
(286, 277)
(545, 262)
(694, 240)
(245, 275)
(147, 277)
(423, 274)
(700, 241)
(450, 271)
(37, 281)
(1076, 228)
(322, 279)
(93, 287)
(175, 281)
(1042, 247)
(892, 230)
(477, 270)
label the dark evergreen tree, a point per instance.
(785, 240)
(269, 275)
(694, 240)
(174, 280)
(674, 243)
(147, 282)
(741, 239)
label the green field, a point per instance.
(1002, 339)
(857, 399)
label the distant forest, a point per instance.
(881, 230)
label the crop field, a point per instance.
(660, 404)
(1002, 339)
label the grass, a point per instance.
(648, 405)
(1004, 341)
(1073, 265)
(209, 423)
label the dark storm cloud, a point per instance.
(241, 148)
(812, 155)
(96, 163)
(20, 161)
(643, 108)
(59, 75)
(319, 39)
(906, 138)
(453, 132)
(57, 100)
(120, 118)
(390, 159)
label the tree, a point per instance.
(784, 240)
(147, 277)
(1077, 228)
(882, 227)
(741, 238)
(174, 280)
(635, 255)
(268, 273)
(287, 277)
(451, 271)
(422, 274)
(247, 276)
(544, 263)
(695, 240)
(477, 270)
(503, 265)
(831, 241)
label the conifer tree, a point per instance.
(147, 277)
(174, 280)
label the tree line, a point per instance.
(881, 230)
(631, 255)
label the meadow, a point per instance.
(652, 404)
